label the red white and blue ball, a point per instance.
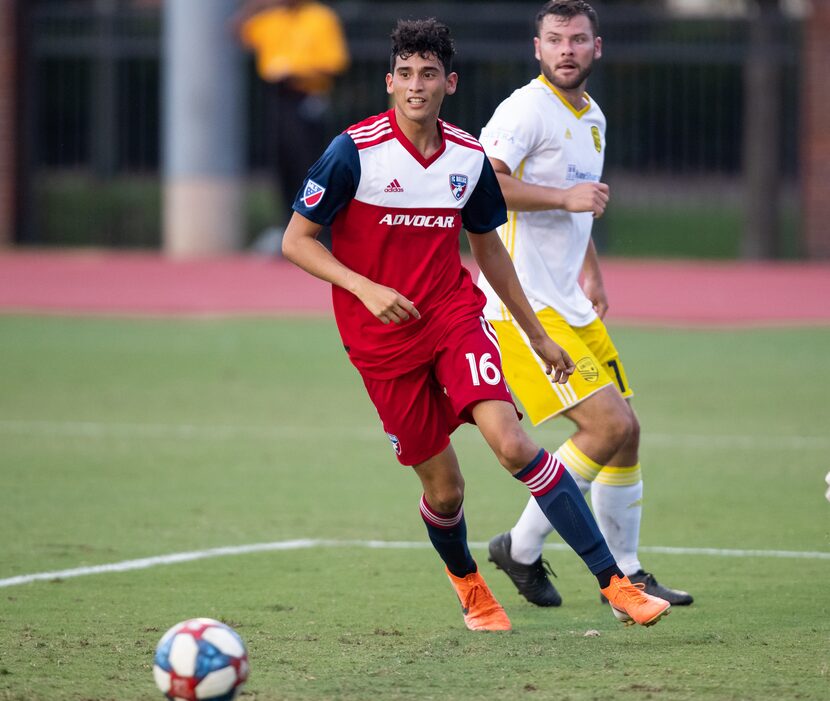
(200, 659)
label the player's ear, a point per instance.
(598, 47)
(537, 44)
(389, 89)
(452, 83)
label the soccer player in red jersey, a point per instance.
(396, 189)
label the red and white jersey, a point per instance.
(395, 218)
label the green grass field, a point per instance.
(124, 439)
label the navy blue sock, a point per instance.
(448, 534)
(561, 501)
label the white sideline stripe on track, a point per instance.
(102, 429)
(303, 544)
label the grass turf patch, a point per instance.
(126, 439)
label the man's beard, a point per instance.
(571, 84)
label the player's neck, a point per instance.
(575, 97)
(424, 136)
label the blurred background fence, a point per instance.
(674, 89)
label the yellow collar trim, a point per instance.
(577, 113)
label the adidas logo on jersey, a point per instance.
(394, 186)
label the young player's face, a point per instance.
(418, 86)
(566, 49)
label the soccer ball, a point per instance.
(200, 659)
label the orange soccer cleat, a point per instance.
(479, 606)
(631, 604)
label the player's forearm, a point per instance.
(509, 289)
(304, 250)
(527, 197)
(495, 264)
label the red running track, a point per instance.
(644, 292)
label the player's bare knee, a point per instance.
(446, 500)
(514, 449)
(617, 429)
(445, 495)
(634, 435)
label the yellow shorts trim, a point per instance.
(620, 476)
(597, 362)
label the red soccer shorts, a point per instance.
(421, 408)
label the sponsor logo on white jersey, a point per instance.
(574, 174)
(419, 220)
(394, 186)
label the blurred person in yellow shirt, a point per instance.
(300, 48)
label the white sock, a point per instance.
(528, 535)
(618, 510)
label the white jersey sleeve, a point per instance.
(514, 130)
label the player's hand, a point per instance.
(595, 291)
(558, 363)
(386, 304)
(587, 197)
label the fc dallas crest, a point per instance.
(458, 185)
(312, 194)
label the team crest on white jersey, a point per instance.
(458, 185)
(597, 139)
(312, 194)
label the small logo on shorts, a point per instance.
(587, 369)
(396, 444)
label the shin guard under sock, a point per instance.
(562, 502)
(448, 534)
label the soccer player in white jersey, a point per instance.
(396, 189)
(547, 144)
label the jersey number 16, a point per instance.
(483, 370)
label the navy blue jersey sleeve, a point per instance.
(330, 183)
(485, 210)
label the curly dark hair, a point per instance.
(422, 37)
(567, 9)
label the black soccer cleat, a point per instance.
(676, 597)
(531, 580)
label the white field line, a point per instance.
(104, 429)
(302, 544)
